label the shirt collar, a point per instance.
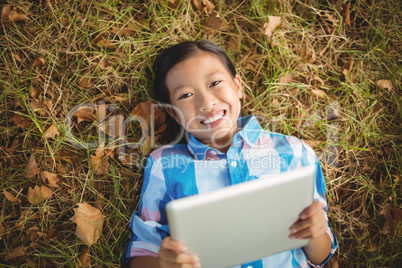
(249, 131)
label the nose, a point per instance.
(206, 100)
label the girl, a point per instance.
(200, 82)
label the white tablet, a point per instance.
(243, 222)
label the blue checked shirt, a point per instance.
(176, 171)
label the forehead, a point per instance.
(199, 65)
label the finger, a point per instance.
(169, 243)
(176, 257)
(176, 265)
(309, 233)
(315, 207)
(317, 220)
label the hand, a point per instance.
(174, 254)
(311, 223)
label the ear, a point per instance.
(172, 113)
(239, 86)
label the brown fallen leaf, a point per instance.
(38, 62)
(11, 14)
(15, 253)
(31, 169)
(346, 12)
(67, 155)
(51, 132)
(85, 114)
(100, 161)
(198, 4)
(34, 233)
(309, 57)
(38, 194)
(270, 26)
(123, 31)
(89, 222)
(13, 146)
(10, 197)
(209, 7)
(157, 118)
(35, 92)
(383, 84)
(50, 179)
(105, 43)
(376, 107)
(84, 258)
(21, 121)
(348, 67)
(319, 93)
(214, 22)
(86, 80)
(174, 4)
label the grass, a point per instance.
(354, 126)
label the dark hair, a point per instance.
(178, 53)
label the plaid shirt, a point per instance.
(176, 171)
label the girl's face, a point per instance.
(206, 99)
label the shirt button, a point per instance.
(249, 266)
(234, 164)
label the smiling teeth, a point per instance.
(213, 119)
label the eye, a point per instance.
(215, 83)
(185, 96)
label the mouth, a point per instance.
(214, 117)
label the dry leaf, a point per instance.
(197, 4)
(86, 80)
(31, 169)
(10, 14)
(214, 22)
(51, 131)
(100, 161)
(13, 146)
(67, 155)
(158, 117)
(105, 43)
(383, 84)
(310, 58)
(89, 222)
(123, 31)
(38, 62)
(50, 179)
(346, 12)
(331, 18)
(173, 4)
(21, 121)
(85, 114)
(15, 253)
(34, 234)
(38, 194)
(270, 26)
(319, 93)
(348, 67)
(10, 197)
(208, 6)
(84, 258)
(376, 107)
(35, 92)
(372, 247)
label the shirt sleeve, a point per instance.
(319, 195)
(149, 223)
